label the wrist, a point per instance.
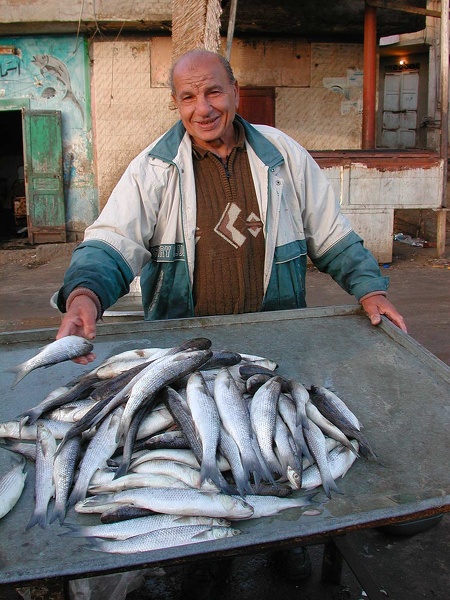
(81, 291)
(371, 294)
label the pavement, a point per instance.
(406, 567)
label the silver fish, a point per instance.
(43, 484)
(165, 538)
(266, 506)
(11, 486)
(180, 456)
(158, 419)
(137, 480)
(317, 445)
(340, 460)
(300, 395)
(285, 448)
(124, 530)
(64, 467)
(327, 426)
(326, 402)
(66, 348)
(52, 402)
(263, 414)
(100, 448)
(288, 412)
(154, 377)
(235, 417)
(72, 412)
(230, 450)
(185, 473)
(117, 364)
(338, 403)
(181, 502)
(23, 448)
(13, 429)
(207, 422)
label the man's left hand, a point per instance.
(377, 305)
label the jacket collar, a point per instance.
(168, 146)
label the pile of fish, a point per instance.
(172, 445)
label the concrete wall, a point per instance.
(318, 94)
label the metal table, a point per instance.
(398, 389)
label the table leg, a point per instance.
(337, 549)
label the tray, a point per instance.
(398, 390)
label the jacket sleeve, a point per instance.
(353, 267)
(101, 269)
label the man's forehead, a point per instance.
(196, 72)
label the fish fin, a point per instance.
(201, 534)
(122, 469)
(74, 531)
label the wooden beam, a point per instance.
(414, 10)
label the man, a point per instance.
(218, 216)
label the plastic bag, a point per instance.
(114, 587)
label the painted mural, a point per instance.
(52, 73)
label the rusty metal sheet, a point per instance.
(397, 388)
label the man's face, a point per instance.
(205, 98)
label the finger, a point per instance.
(85, 360)
(397, 320)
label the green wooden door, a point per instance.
(44, 176)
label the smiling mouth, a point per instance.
(207, 122)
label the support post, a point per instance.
(444, 59)
(370, 77)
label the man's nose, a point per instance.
(202, 105)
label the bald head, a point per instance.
(191, 58)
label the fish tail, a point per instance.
(38, 518)
(260, 465)
(210, 470)
(20, 371)
(74, 531)
(365, 449)
(301, 444)
(78, 494)
(329, 485)
(58, 512)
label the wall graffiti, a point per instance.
(45, 72)
(48, 71)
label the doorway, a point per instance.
(257, 105)
(13, 221)
(401, 99)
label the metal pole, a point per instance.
(444, 85)
(370, 77)
(444, 58)
(231, 23)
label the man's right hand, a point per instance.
(80, 320)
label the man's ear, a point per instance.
(236, 92)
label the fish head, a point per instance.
(294, 477)
(41, 60)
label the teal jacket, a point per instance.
(147, 228)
